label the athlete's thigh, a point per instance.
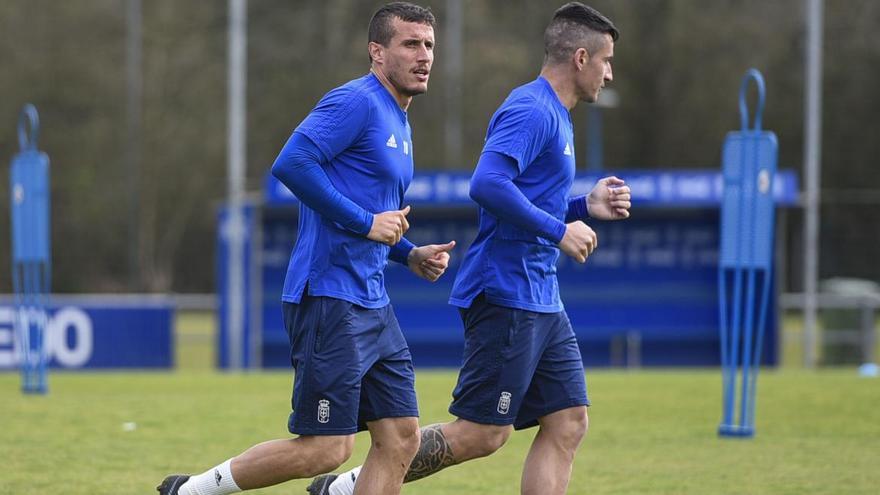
(558, 382)
(388, 387)
(327, 385)
(501, 353)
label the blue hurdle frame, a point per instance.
(747, 223)
(31, 263)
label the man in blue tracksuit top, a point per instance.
(522, 366)
(349, 162)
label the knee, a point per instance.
(403, 439)
(580, 424)
(489, 440)
(569, 433)
(340, 453)
(409, 439)
(331, 455)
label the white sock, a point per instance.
(344, 483)
(216, 481)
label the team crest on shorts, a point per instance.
(323, 411)
(504, 403)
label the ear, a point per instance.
(376, 51)
(581, 57)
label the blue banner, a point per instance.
(99, 332)
(651, 284)
(673, 188)
(654, 275)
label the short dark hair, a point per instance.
(381, 30)
(575, 25)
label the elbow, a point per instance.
(285, 169)
(277, 169)
(285, 173)
(478, 189)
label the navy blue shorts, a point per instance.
(518, 366)
(352, 366)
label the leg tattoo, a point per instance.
(434, 455)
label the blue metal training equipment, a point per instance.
(745, 268)
(31, 269)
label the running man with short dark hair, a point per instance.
(349, 163)
(522, 366)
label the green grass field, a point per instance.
(651, 431)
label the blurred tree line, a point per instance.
(677, 71)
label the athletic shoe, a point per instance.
(321, 484)
(171, 484)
